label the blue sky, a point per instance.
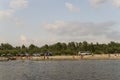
(49, 21)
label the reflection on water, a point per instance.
(60, 70)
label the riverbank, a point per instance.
(73, 57)
(85, 57)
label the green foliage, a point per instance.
(6, 46)
(72, 48)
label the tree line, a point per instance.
(71, 48)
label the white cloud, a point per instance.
(78, 28)
(18, 4)
(7, 17)
(71, 7)
(13, 5)
(23, 38)
(27, 40)
(54, 26)
(6, 13)
(82, 31)
(96, 3)
(116, 3)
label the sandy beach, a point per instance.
(86, 57)
(74, 57)
(69, 57)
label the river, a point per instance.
(60, 70)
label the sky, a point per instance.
(42, 22)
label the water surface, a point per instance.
(60, 70)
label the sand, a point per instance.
(76, 57)
(69, 57)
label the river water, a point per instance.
(60, 70)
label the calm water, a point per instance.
(60, 70)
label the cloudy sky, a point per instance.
(49, 21)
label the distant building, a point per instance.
(36, 54)
(27, 54)
(84, 53)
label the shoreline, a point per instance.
(65, 57)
